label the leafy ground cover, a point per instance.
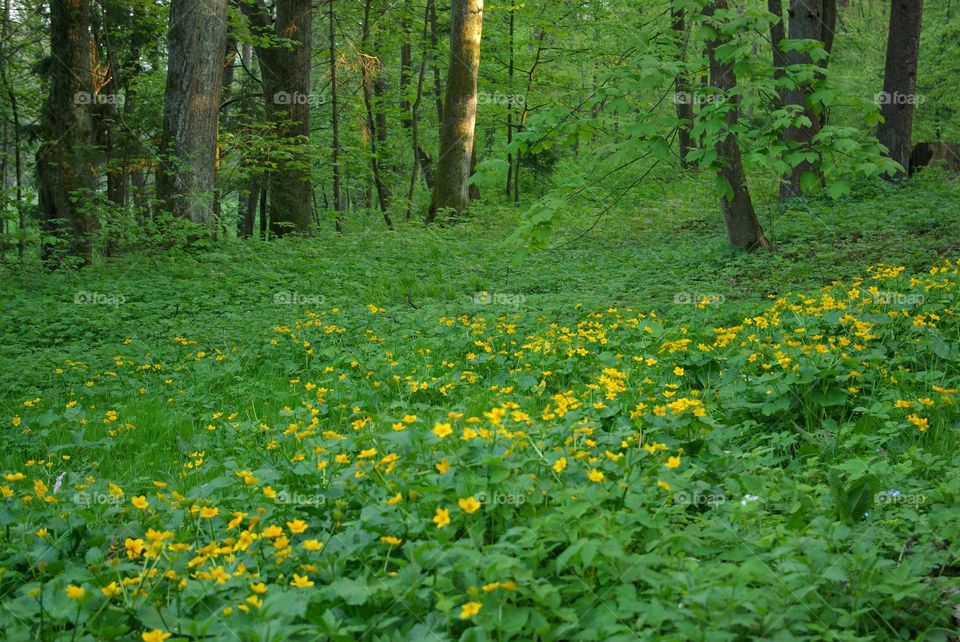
(432, 436)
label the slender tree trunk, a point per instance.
(368, 81)
(337, 202)
(451, 191)
(806, 23)
(406, 73)
(474, 189)
(511, 71)
(411, 117)
(17, 151)
(186, 180)
(435, 41)
(65, 161)
(107, 84)
(743, 228)
(900, 80)
(264, 213)
(420, 156)
(525, 113)
(683, 99)
(286, 71)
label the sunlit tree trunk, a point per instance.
(66, 169)
(451, 191)
(900, 80)
(186, 180)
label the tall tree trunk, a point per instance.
(65, 161)
(248, 197)
(420, 155)
(828, 28)
(511, 71)
(410, 120)
(743, 228)
(369, 69)
(286, 74)
(451, 191)
(778, 34)
(435, 41)
(335, 115)
(17, 151)
(683, 99)
(900, 80)
(186, 179)
(806, 23)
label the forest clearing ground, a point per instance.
(556, 425)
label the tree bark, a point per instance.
(806, 23)
(511, 71)
(743, 228)
(421, 157)
(900, 80)
(65, 160)
(186, 179)
(335, 116)
(435, 41)
(778, 34)
(369, 70)
(451, 191)
(17, 147)
(286, 71)
(410, 120)
(682, 99)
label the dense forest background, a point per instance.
(438, 320)
(120, 124)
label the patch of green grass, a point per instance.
(766, 465)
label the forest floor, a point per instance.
(436, 435)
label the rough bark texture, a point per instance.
(186, 180)
(286, 87)
(900, 80)
(806, 23)
(451, 191)
(743, 228)
(65, 160)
